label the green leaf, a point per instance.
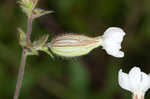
(22, 37)
(37, 12)
(41, 42)
(45, 49)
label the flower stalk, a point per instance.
(29, 48)
(30, 20)
(20, 74)
(23, 60)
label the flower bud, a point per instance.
(71, 45)
(27, 6)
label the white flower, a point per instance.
(111, 41)
(136, 82)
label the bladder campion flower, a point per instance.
(136, 82)
(71, 45)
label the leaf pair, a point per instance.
(33, 48)
(28, 7)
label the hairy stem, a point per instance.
(29, 29)
(23, 60)
(20, 74)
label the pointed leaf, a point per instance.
(45, 49)
(22, 37)
(39, 12)
(41, 42)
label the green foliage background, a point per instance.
(93, 76)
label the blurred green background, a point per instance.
(93, 76)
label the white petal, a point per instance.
(123, 80)
(136, 81)
(145, 82)
(112, 39)
(135, 77)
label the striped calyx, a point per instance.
(71, 45)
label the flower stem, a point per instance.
(23, 60)
(20, 74)
(29, 29)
